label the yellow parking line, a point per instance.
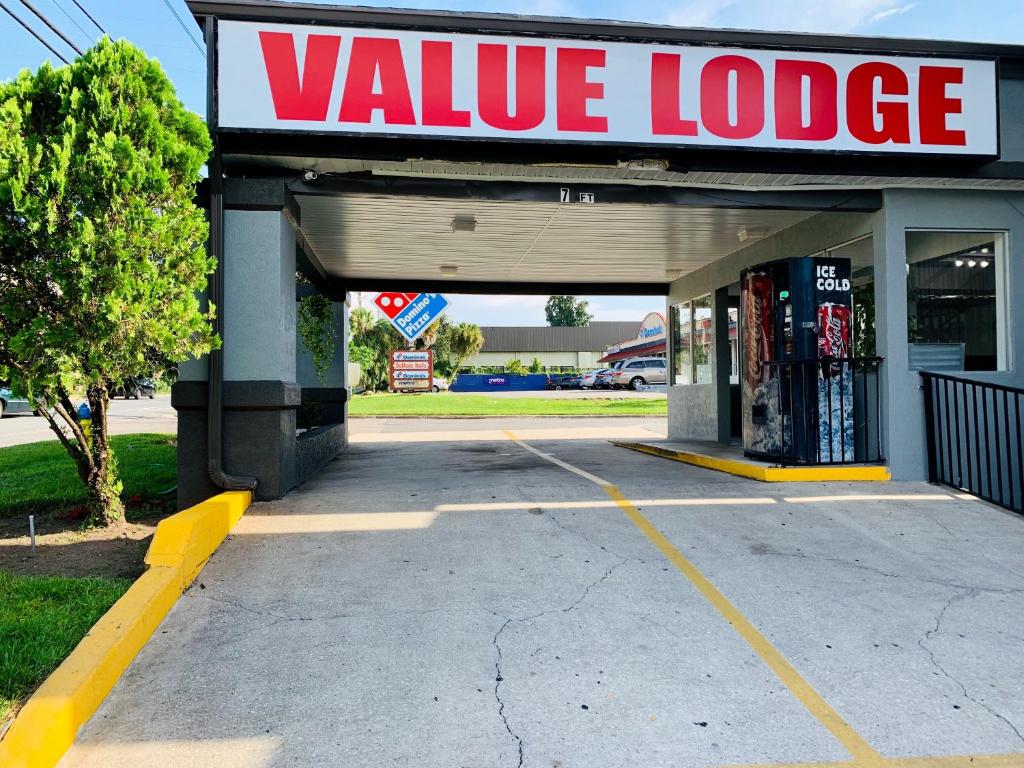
(862, 752)
(804, 692)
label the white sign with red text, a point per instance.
(410, 83)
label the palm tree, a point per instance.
(467, 339)
(360, 323)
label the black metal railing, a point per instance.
(972, 429)
(828, 410)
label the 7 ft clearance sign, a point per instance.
(365, 81)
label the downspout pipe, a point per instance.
(215, 291)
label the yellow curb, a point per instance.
(48, 723)
(766, 473)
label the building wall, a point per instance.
(902, 402)
(693, 412)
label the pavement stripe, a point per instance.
(554, 460)
(862, 752)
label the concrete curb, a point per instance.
(48, 723)
(765, 472)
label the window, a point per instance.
(681, 338)
(692, 335)
(702, 333)
(655, 363)
(956, 301)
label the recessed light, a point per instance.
(449, 270)
(972, 263)
(984, 264)
(959, 262)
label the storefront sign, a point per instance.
(390, 82)
(653, 325)
(411, 370)
(411, 313)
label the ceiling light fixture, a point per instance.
(449, 270)
(984, 264)
(972, 263)
(673, 274)
(751, 233)
(959, 263)
(463, 224)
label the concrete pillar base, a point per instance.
(259, 436)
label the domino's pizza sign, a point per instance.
(411, 313)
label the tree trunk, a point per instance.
(102, 495)
(103, 489)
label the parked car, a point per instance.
(603, 380)
(638, 372)
(589, 379)
(9, 403)
(440, 384)
(133, 389)
(563, 382)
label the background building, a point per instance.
(558, 348)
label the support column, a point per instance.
(324, 410)
(723, 364)
(325, 401)
(261, 395)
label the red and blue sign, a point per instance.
(411, 313)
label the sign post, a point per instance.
(411, 370)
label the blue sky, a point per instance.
(152, 26)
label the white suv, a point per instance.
(638, 372)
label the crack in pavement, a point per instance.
(933, 632)
(496, 642)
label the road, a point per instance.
(494, 594)
(131, 416)
(126, 417)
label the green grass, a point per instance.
(453, 404)
(40, 477)
(42, 618)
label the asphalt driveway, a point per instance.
(503, 595)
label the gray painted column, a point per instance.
(335, 375)
(259, 297)
(261, 395)
(260, 392)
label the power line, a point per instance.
(53, 28)
(73, 20)
(89, 15)
(184, 26)
(33, 32)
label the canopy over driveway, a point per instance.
(427, 151)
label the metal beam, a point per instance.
(860, 201)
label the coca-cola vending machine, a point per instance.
(797, 310)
